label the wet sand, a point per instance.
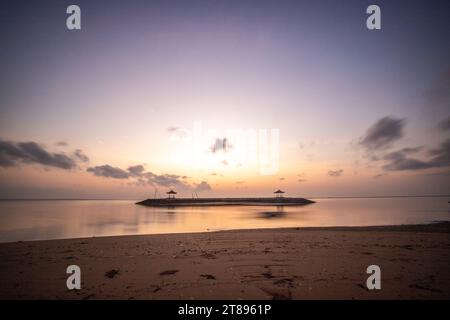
(294, 263)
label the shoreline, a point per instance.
(432, 227)
(281, 263)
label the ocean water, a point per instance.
(58, 219)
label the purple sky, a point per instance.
(359, 112)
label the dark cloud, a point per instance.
(138, 176)
(221, 144)
(108, 171)
(445, 124)
(136, 170)
(61, 144)
(13, 153)
(383, 133)
(335, 173)
(397, 156)
(441, 155)
(150, 178)
(404, 151)
(202, 186)
(400, 160)
(81, 156)
(165, 180)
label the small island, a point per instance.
(278, 200)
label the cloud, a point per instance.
(203, 186)
(378, 176)
(13, 153)
(172, 129)
(406, 164)
(221, 145)
(150, 178)
(401, 153)
(138, 176)
(61, 144)
(441, 155)
(301, 177)
(383, 133)
(108, 171)
(445, 124)
(177, 132)
(165, 180)
(81, 156)
(136, 170)
(400, 160)
(335, 173)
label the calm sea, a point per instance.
(57, 219)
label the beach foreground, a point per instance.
(294, 263)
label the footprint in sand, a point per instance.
(362, 286)
(424, 287)
(111, 273)
(208, 255)
(168, 272)
(288, 282)
(157, 288)
(276, 295)
(268, 275)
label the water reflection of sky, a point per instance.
(30, 220)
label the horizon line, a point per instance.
(310, 197)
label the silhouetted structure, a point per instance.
(288, 201)
(279, 193)
(171, 194)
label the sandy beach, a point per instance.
(294, 263)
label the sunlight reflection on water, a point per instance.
(54, 219)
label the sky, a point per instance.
(224, 98)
